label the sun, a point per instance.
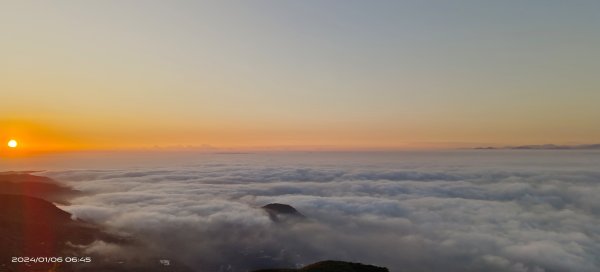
(12, 143)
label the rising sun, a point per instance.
(12, 143)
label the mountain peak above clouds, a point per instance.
(282, 212)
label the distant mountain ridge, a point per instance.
(332, 266)
(545, 147)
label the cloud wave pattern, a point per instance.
(460, 211)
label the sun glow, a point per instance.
(12, 144)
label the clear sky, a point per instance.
(298, 74)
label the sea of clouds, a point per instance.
(420, 211)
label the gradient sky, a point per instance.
(299, 74)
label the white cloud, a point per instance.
(424, 216)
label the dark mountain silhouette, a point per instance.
(282, 212)
(33, 227)
(25, 183)
(332, 266)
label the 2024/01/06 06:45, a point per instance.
(51, 259)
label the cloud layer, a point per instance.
(408, 212)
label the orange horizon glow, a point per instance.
(42, 138)
(36, 138)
